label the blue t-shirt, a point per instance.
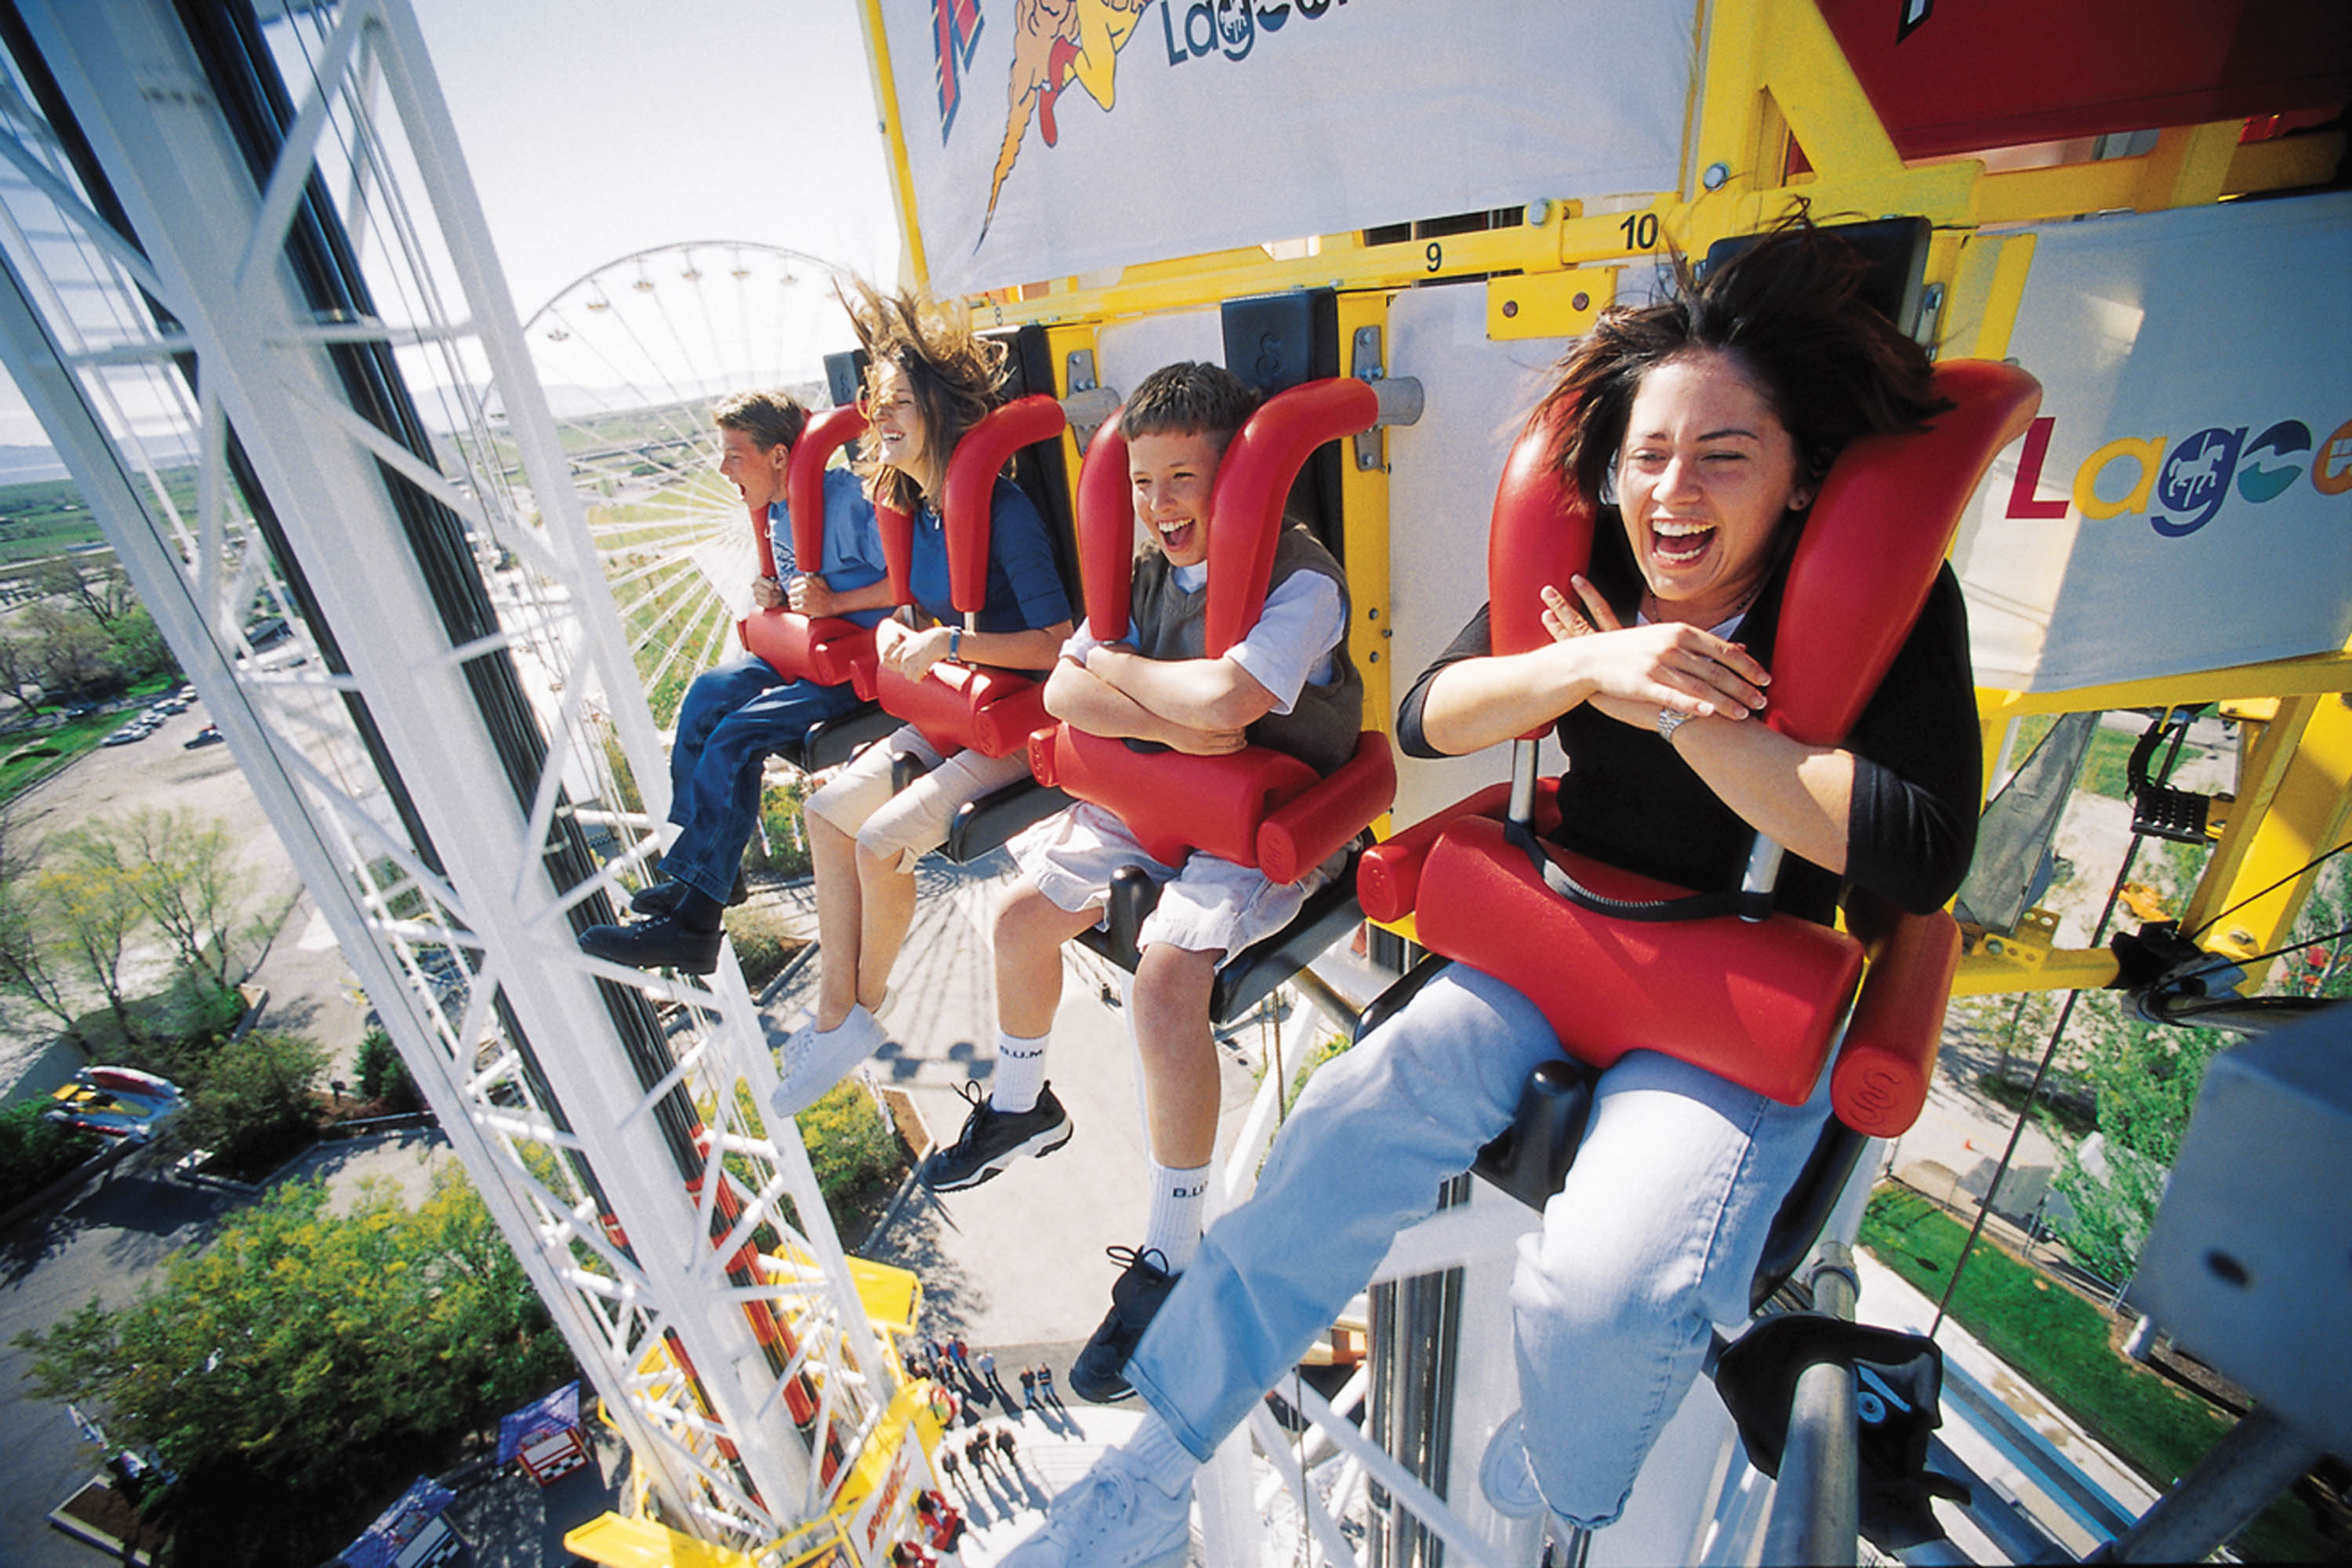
(853, 544)
(1024, 589)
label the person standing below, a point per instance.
(928, 381)
(736, 716)
(1288, 685)
(1714, 415)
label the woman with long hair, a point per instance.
(929, 380)
(1701, 427)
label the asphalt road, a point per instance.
(114, 1237)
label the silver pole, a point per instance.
(1816, 1509)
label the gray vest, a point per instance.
(1321, 728)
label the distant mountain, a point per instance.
(22, 465)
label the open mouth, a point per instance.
(1677, 542)
(1176, 537)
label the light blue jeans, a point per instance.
(1654, 1239)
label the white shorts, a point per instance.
(1207, 905)
(906, 825)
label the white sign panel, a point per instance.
(1048, 138)
(2185, 501)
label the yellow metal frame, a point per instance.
(1773, 81)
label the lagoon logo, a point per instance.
(1229, 27)
(2181, 491)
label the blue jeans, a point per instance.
(1652, 1239)
(732, 719)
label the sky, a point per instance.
(596, 129)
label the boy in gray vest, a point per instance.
(1288, 685)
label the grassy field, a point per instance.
(2107, 767)
(46, 517)
(2065, 1346)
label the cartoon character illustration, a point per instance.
(1054, 41)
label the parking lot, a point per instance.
(162, 773)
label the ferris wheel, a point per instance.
(633, 354)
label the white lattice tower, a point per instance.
(291, 292)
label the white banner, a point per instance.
(2185, 501)
(1048, 138)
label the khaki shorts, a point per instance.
(1206, 905)
(904, 826)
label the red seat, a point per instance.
(1756, 1001)
(960, 705)
(1255, 807)
(828, 649)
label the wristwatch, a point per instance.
(955, 641)
(1671, 720)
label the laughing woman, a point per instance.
(928, 381)
(1703, 424)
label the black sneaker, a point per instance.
(1100, 1372)
(659, 943)
(663, 896)
(993, 1139)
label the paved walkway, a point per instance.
(1017, 1261)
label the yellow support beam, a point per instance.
(2256, 905)
(1987, 287)
(2189, 166)
(2286, 163)
(2312, 676)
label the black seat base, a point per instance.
(830, 742)
(1251, 975)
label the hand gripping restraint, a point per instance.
(1756, 1001)
(827, 649)
(958, 705)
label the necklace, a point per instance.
(1655, 610)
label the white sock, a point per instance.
(1020, 1073)
(1154, 1454)
(1178, 1198)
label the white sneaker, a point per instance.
(812, 1062)
(1505, 1475)
(1112, 1518)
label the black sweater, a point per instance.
(1628, 800)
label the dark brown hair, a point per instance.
(1789, 311)
(1189, 397)
(954, 375)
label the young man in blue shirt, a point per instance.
(736, 716)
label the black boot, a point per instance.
(665, 942)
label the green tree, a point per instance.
(137, 645)
(186, 876)
(26, 966)
(97, 911)
(76, 654)
(101, 590)
(305, 1365)
(19, 667)
(2146, 1077)
(255, 1102)
(34, 1152)
(383, 1075)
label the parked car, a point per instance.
(209, 735)
(118, 1102)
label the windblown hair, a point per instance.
(1189, 397)
(954, 375)
(1789, 311)
(768, 418)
